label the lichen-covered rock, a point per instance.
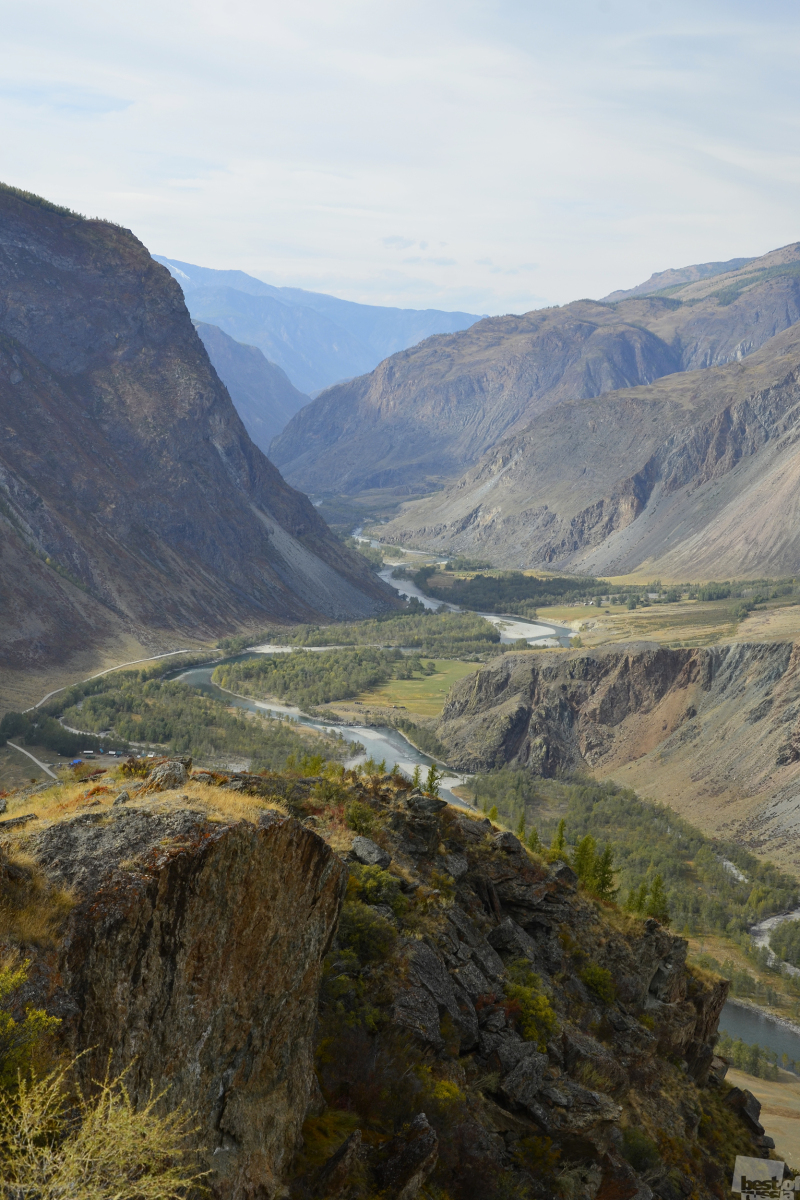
(169, 774)
(193, 959)
(370, 853)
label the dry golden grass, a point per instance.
(32, 909)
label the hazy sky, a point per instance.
(492, 156)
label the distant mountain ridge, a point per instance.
(316, 339)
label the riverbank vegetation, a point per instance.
(141, 708)
(754, 1060)
(309, 678)
(434, 635)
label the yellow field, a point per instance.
(424, 697)
(688, 623)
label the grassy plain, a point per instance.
(423, 697)
(687, 623)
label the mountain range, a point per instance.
(132, 501)
(316, 339)
(650, 432)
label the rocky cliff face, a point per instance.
(482, 1026)
(712, 732)
(124, 470)
(193, 958)
(425, 415)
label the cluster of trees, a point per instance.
(650, 843)
(755, 1060)
(742, 982)
(503, 591)
(307, 679)
(371, 553)
(140, 707)
(438, 635)
(785, 941)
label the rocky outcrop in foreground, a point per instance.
(478, 1024)
(193, 959)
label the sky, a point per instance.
(491, 157)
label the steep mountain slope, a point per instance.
(713, 733)
(692, 477)
(123, 464)
(261, 392)
(316, 339)
(424, 415)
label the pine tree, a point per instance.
(603, 875)
(657, 906)
(432, 781)
(583, 860)
(533, 841)
(521, 825)
(416, 778)
(558, 846)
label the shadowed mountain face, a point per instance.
(261, 392)
(131, 492)
(425, 415)
(316, 339)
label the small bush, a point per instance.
(376, 886)
(531, 1010)
(599, 980)
(107, 1150)
(640, 1151)
(369, 935)
(20, 1041)
(359, 817)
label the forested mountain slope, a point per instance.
(132, 496)
(425, 415)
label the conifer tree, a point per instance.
(603, 875)
(493, 813)
(533, 841)
(583, 860)
(657, 905)
(521, 825)
(558, 846)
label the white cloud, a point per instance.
(591, 143)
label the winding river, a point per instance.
(380, 742)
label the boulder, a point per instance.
(122, 798)
(167, 775)
(370, 853)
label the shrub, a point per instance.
(359, 817)
(599, 980)
(531, 1009)
(103, 1147)
(373, 885)
(20, 1041)
(369, 935)
(640, 1151)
